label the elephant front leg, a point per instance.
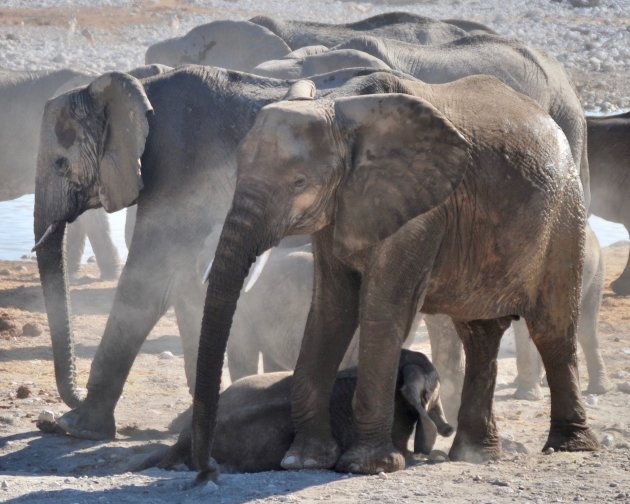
(477, 439)
(139, 303)
(331, 322)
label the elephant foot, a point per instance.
(311, 453)
(110, 274)
(528, 393)
(621, 286)
(572, 437)
(86, 423)
(464, 450)
(368, 459)
(599, 385)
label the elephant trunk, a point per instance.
(52, 272)
(243, 238)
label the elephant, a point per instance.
(527, 359)
(242, 45)
(608, 153)
(525, 69)
(254, 427)
(22, 99)
(23, 96)
(459, 198)
(184, 126)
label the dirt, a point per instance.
(39, 467)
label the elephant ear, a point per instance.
(124, 107)
(405, 158)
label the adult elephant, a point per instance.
(242, 45)
(608, 153)
(406, 199)
(523, 68)
(185, 125)
(23, 96)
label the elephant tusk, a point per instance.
(258, 269)
(51, 229)
(206, 273)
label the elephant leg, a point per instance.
(270, 365)
(598, 382)
(331, 322)
(242, 354)
(141, 299)
(621, 286)
(447, 354)
(528, 365)
(75, 244)
(477, 439)
(100, 236)
(188, 311)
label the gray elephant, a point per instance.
(525, 69)
(22, 99)
(185, 125)
(254, 427)
(608, 154)
(406, 201)
(242, 45)
(527, 359)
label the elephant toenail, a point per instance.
(290, 460)
(310, 462)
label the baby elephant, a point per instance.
(254, 427)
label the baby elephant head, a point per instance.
(421, 390)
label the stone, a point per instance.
(31, 329)
(608, 440)
(23, 392)
(7, 323)
(166, 355)
(591, 400)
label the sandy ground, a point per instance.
(37, 467)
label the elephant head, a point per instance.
(90, 144)
(364, 165)
(238, 45)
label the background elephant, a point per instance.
(242, 45)
(405, 198)
(23, 96)
(527, 359)
(254, 427)
(525, 69)
(608, 154)
(185, 125)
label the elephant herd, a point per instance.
(394, 165)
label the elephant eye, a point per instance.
(300, 182)
(62, 165)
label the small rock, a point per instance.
(549, 451)
(624, 387)
(382, 475)
(23, 392)
(88, 35)
(620, 374)
(591, 400)
(613, 484)
(5, 485)
(502, 483)
(4, 272)
(607, 440)
(166, 355)
(626, 351)
(476, 477)
(31, 329)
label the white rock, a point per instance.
(166, 355)
(591, 400)
(608, 440)
(46, 416)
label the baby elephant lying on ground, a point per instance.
(254, 427)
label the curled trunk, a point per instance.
(242, 240)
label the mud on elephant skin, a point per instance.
(254, 426)
(321, 167)
(609, 160)
(84, 165)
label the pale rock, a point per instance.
(166, 355)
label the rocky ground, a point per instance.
(594, 43)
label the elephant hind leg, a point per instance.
(528, 365)
(75, 243)
(100, 236)
(598, 382)
(477, 439)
